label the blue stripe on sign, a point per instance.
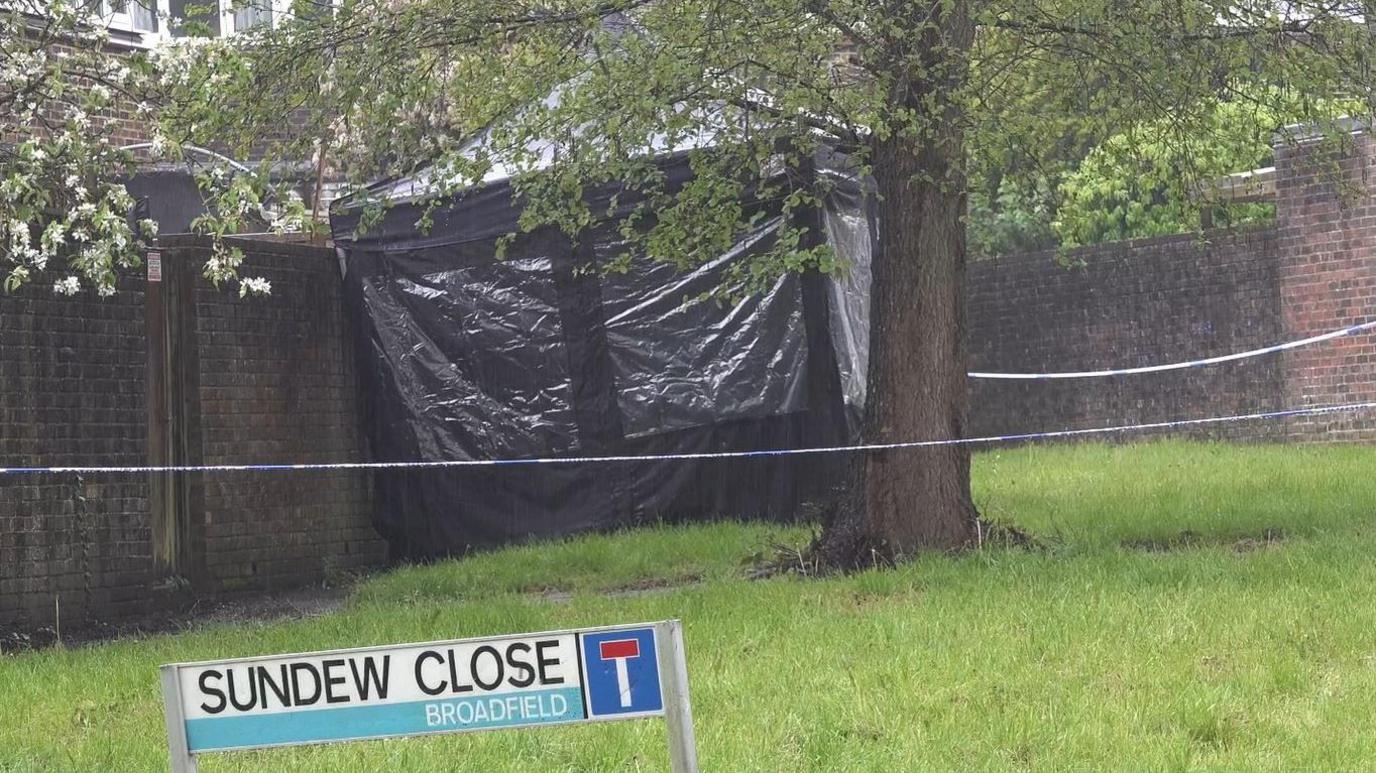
(487, 712)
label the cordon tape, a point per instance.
(327, 466)
(1347, 331)
(1026, 436)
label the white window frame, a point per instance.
(277, 10)
(123, 22)
(227, 10)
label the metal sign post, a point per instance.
(678, 711)
(183, 761)
(464, 685)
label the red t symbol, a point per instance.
(619, 651)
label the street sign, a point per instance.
(465, 685)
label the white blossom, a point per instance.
(158, 145)
(69, 285)
(254, 286)
(54, 235)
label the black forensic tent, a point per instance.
(541, 354)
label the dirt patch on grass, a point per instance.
(812, 561)
(629, 590)
(1267, 539)
(268, 607)
(292, 605)
(182, 616)
(1189, 539)
(655, 583)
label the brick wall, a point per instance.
(1182, 298)
(72, 376)
(1125, 305)
(120, 122)
(264, 380)
(276, 384)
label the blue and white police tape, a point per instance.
(1347, 331)
(329, 466)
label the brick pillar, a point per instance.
(1326, 215)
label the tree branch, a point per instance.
(1216, 33)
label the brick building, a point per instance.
(169, 190)
(145, 22)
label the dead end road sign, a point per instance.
(465, 685)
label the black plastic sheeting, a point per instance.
(543, 354)
(171, 198)
(850, 225)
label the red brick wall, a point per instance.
(119, 123)
(1327, 230)
(122, 125)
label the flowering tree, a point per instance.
(64, 90)
(60, 202)
(560, 95)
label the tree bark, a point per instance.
(907, 500)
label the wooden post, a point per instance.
(161, 498)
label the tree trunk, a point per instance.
(906, 500)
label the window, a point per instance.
(240, 15)
(144, 22)
(132, 15)
(203, 14)
(252, 13)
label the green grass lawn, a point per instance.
(1117, 645)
